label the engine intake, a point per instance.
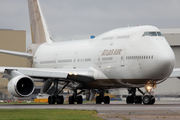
(21, 86)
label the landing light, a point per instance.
(75, 73)
(148, 88)
(70, 73)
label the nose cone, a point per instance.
(166, 61)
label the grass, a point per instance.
(47, 114)
(125, 118)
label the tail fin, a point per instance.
(39, 29)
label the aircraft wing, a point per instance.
(175, 73)
(75, 75)
(20, 54)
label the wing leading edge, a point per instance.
(74, 75)
(20, 54)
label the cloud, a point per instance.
(79, 19)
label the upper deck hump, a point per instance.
(128, 31)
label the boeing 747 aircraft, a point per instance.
(132, 58)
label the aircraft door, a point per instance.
(99, 59)
(122, 58)
(56, 61)
(75, 60)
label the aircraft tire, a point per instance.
(79, 99)
(106, 100)
(60, 100)
(147, 100)
(98, 100)
(51, 99)
(138, 100)
(152, 100)
(71, 99)
(129, 100)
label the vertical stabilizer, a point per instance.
(39, 29)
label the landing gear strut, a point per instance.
(101, 98)
(56, 98)
(133, 98)
(149, 99)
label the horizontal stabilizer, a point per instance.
(20, 54)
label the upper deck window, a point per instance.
(152, 34)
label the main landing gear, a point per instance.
(101, 98)
(76, 97)
(59, 99)
(56, 98)
(147, 99)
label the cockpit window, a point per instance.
(152, 34)
(159, 33)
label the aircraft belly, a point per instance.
(101, 84)
(114, 83)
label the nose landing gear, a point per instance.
(133, 98)
(147, 98)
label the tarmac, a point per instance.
(116, 110)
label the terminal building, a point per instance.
(15, 40)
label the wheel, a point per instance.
(71, 99)
(98, 100)
(51, 99)
(130, 100)
(60, 99)
(152, 100)
(79, 100)
(106, 100)
(147, 100)
(138, 100)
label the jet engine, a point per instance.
(21, 86)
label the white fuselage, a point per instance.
(124, 56)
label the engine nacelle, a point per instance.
(21, 86)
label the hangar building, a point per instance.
(14, 40)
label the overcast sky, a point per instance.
(79, 19)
